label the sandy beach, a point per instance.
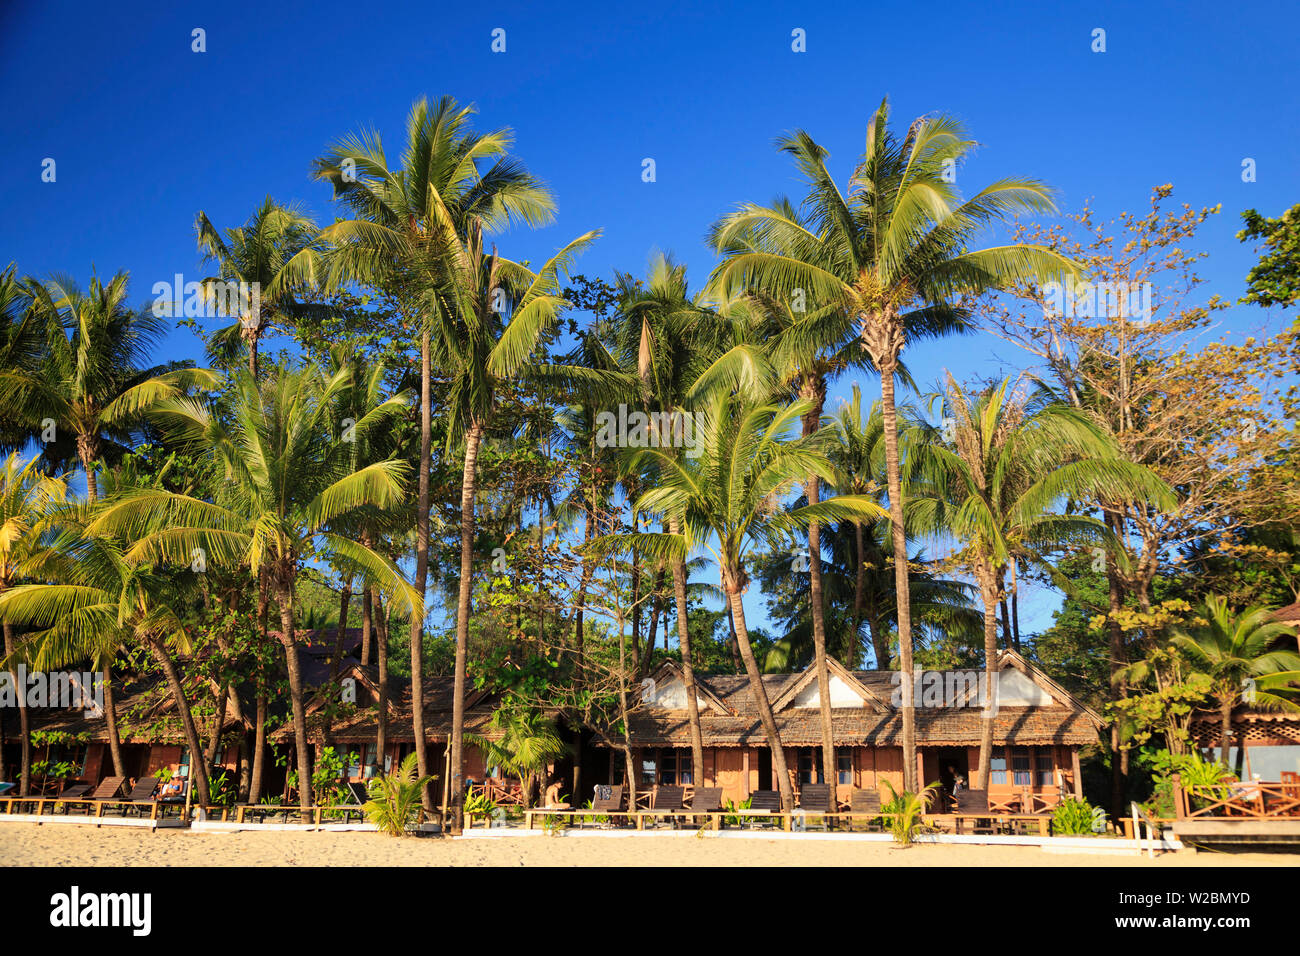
(30, 845)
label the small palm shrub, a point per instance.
(907, 812)
(394, 803)
(733, 821)
(1072, 818)
(479, 805)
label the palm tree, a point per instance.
(521, 742)
(290, 485)
(729, 497)
(809, 349)
(102, 604)
(999, 484)
(895, 256)
(27, 499)
(259, 254)
(407, 237)
(22, 346)
(91, 394)
(1233, 650)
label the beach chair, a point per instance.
(75, 791)
(669, 799)
(865, 802)
(707, 799)
(108, 789)
(360, 794)
(973, 805)
(769, 800)
(815, 799)
(141, 795)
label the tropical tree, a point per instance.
(896, 255)
(102, 604)
(407, 236)
(91, 394)
(1000, 485)
(522, 742)
(728, 497)
(290, 485)
(28, 499)
(271, 253)
(1236, 651)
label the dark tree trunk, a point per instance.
(469, 480)
(24, 722)
(422, 564)
(381, 649)
(760, 694)
(688, 667)
(285, 598)
(110, 724)
(173, 676)
(988, 594)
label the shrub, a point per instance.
(394, 802)
(1072, 817)
(907, 811)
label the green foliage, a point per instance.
(1072, 817)
(908, 812)
(394, 804)
(1276, 279)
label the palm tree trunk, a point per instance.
(259, 725)
(760, 694)
(858, 588)
(688, 668)
(365, 626)
(819, 635)
(1225, 729)
(24, 723)
(889, 419)
(285, 598)
(336, 663)
(457, 744)
(381, 652)
(110, 724)
(988, 594)
(422, 565)
(197, 765)
(252, 335)
(1015, 606)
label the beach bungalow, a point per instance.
(1038, 730)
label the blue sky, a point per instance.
(146, 132)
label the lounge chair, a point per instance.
(765, 800)
(108, 789)
(74, 792)
(973, 805)
(865, 802)
(707, 799)
(607, 798)
(141, 794)
(815, 798)
(668, 799)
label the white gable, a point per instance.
(1017, 690)
(842, 695)
(670, 694)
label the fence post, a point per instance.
(1180, 798)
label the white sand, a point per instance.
(23, 844)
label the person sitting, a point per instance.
(174, 787)
(553, 801)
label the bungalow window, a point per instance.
(369, 759)
(807, 763)
(649, 774)
(844, 766)
(998, 766)
(1020, 767)
(668, 768)
(1045, 766)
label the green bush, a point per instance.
(394, 802)
(1072, 818)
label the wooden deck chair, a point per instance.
(815, 799)
(670, 798)
(707, 799)
(973, 805)
(108, 789)
(865, 802)
(141, 794)
(769, 800)
(75, 791)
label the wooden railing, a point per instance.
(1248, 800)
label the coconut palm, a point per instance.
(896, 255)
(410, 222)
(521, 742)
(1000, 484)
(22, 346)
(101, 605)
(290, 486)
(728, 498)
(28, 499)
(271, 252)
(1234, 651)
(92, 392)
